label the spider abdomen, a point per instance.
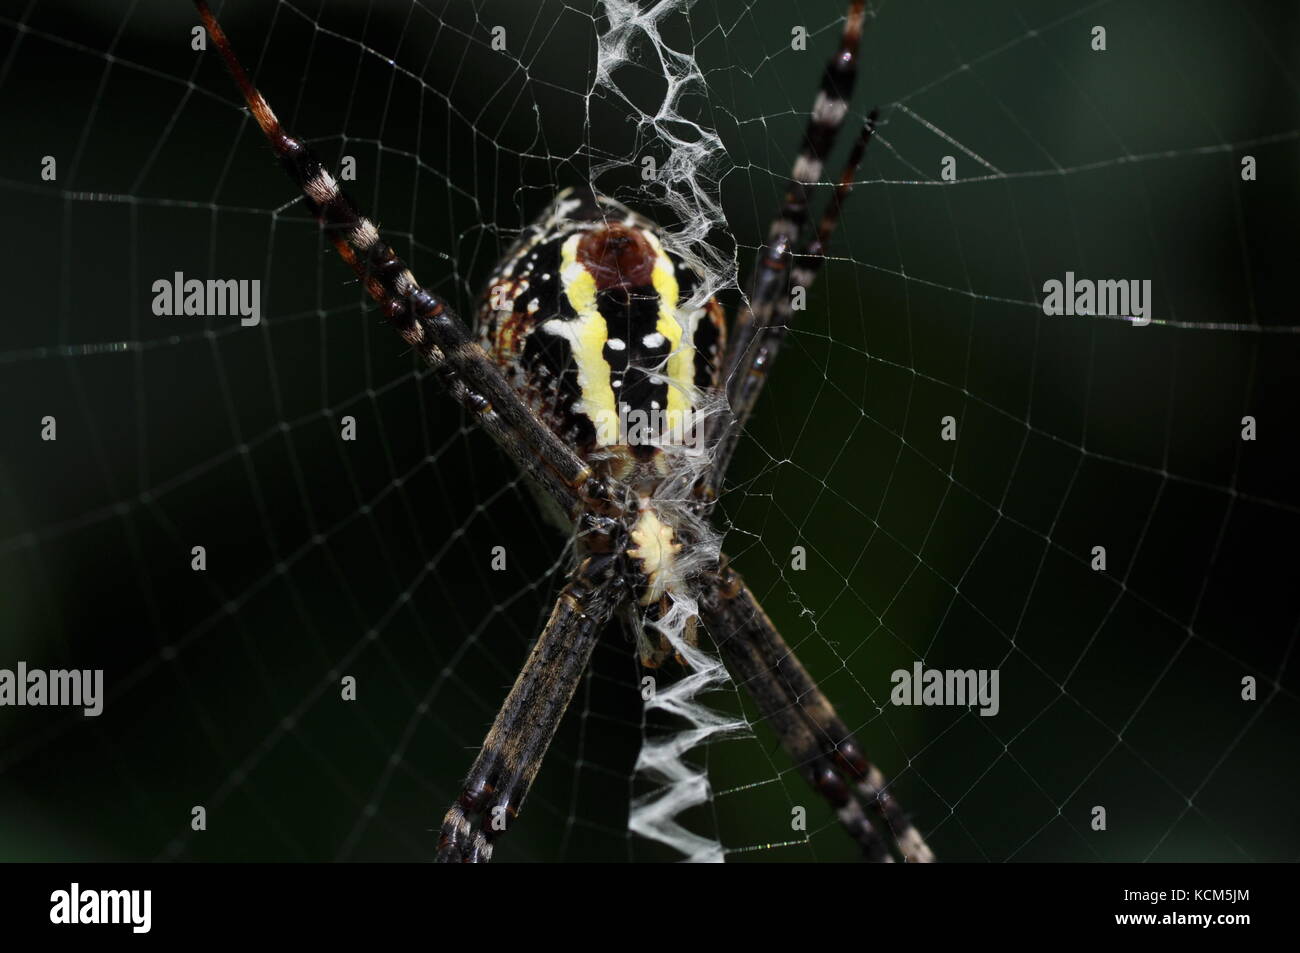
(593, 323)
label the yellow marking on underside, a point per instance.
(587, 334)
(680, 370)
(656, 549)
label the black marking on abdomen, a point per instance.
(637, 367)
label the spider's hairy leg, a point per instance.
(761, 324)
(513, 750)
(830, 108)
(424, 320)
(765, 338)
(782, 713)
(814, 736)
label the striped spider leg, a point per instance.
(424, 320)
(513, 750)
(761, 325)
(811, 732)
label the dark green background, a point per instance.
(1118, 689)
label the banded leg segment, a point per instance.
(829, 111)
(746, 381)
(782, 712)
(810, 730)
(512, 753)
(424, 320)
(755, 338)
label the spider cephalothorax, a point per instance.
(603, 370)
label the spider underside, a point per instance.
(622, 397)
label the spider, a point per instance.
(586, 324)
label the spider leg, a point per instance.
(812, 733)
(761, 325)
(424, 320)
(512, 753)
(830, 108)
(783, 713)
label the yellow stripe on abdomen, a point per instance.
(587, 334)
(680, 369)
